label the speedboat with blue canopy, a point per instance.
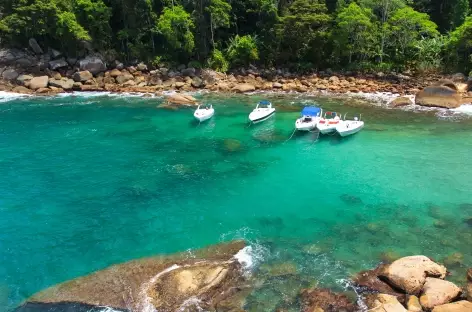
(263, 111)
(311, 115)
(328, 123)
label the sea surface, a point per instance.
(94, 180)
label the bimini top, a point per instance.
(311, 111)
(264, 102)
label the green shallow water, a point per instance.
(92, 181)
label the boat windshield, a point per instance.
(264, 104)
(206, 106)
(307, 119)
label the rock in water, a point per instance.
(22, 90)
(469, 284)
(325, 300)
(181, 99)
(438, 96)
(384, 303)
(35, 46)
(459, 306)
(437, 292)
(401, 101)
(410, 273)
(166, 284)
(369, 281)
(351, 199)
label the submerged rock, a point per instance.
(437, 292)
(325, 300)
(351, 199)
(410, 273)
(370, 281)
(181, 99)
(469, 284)
(232, 145)
(210, 276)
(454, 260)
(279, 269)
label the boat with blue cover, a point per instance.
(263, 111)
(311, 115)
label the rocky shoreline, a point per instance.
(48, 74)
(216, 279)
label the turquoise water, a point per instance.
(92, 181)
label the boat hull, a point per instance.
(306, 126)
(261, 115)
(347, 128)
(327, 128)
(203, 114)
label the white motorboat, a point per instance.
(328, 123)
(263, 111)
(311, 115)
(204, 112)
(348, 127)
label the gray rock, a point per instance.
(35, 46)
(56, 64)
(82, 76)
(197, 82)
(172, 74)
(132, 69)
(10, 74)
(72, 61)
(142, 67)
(54, 53)
(164, 71)
(77, 86)
(64, 84)
(181, 67)
(38, 82)
(189, 72)
(93, 64)
(23, 78)
(459, 77)
(119, 65)
(8, 56)
(25, 62)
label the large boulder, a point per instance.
(38, 82)
(197, 82)
(56, 64)
(384, 303)
(211, 278)
(188, 72)
(181, 99)
(10, 74)
(82, 76)
(325, 300)
(458, 77)
(438, 96)
(11, 56)
(93, 64)
(124, 78)
(115, 73)
(401, 101)
(35, 46)
(437, 292)
(22, 90)
(459, 306)
(66, 84)
(142, 67)
(410, 273)
(244, 87)
(24, 79)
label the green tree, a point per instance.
(217, 61)
(176, 26)
(303, 32)
(459, 46)
(95, 16)
(355, 32)
(219, 16)
(242, 50)
(407, 26)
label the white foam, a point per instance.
(6, 96)
(465, 109)
(245, 257)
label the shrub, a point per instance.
(217, 61)
(242, 50)
(195, 64)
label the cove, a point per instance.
(92, 181)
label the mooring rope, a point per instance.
(291, 135)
